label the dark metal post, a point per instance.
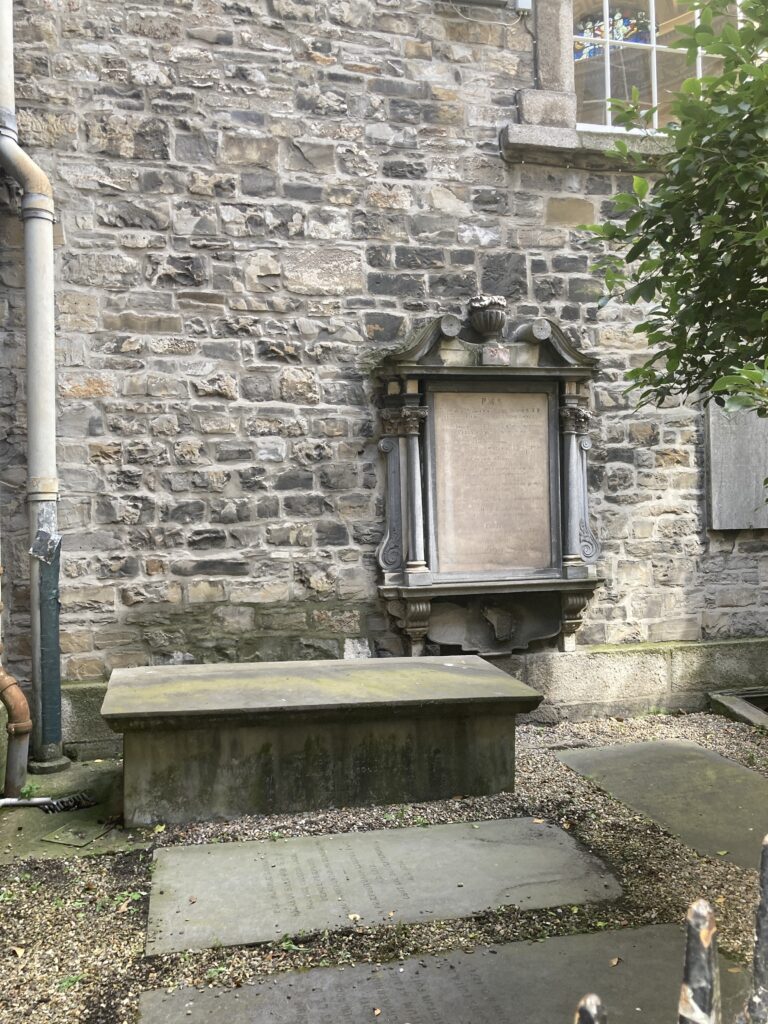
(590, 1011)
(757, 1005)
(700, 992)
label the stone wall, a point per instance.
(251, 196)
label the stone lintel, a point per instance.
(575, 147)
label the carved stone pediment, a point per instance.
(487, 338)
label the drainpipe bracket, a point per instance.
(43, 488)
(19, 728)
(8, 125)
(35, 204)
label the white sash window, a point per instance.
(620, 46)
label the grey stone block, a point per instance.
(86, 735)
(537, 106)
(718, 665)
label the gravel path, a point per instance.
(72, 932)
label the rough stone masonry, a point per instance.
(252, 195)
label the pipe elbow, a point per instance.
(16, 704)
(23, 169)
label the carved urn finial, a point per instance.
(487, 314)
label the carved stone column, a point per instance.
(404, 422)
(579, 544)
(391, 551)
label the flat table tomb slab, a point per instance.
(220, 741)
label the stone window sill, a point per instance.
(574, 147)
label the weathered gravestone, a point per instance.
(714, 805)
(636, 971)
(240, 893)
(219, 741)
(737, 465)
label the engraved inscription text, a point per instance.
(492, 481)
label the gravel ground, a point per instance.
(72, 931)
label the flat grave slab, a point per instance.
(539, 983)
(709, 802)
(241, 893)
(137, 697)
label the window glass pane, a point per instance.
(626, 22)
(631, 66)
(671, 71)
(732, 17)
(590, 90)
(587, 29)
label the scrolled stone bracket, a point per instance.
(572, 604)
(412, 616)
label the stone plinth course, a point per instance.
(241, 893)
(637, 973)
(205, 741)
(714, 805)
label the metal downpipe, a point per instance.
(19, 727)
(37, 213)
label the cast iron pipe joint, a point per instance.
(12, 695)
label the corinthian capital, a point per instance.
(403, 420)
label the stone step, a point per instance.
(205, 741)
(241, 893)
(636, 972)
(717, 807)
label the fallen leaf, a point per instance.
(353, 917)
(123, 907)
(720, 900)
(18, 950)
(391, 913)
(159, 828)
(376, 1012)
(538, 821)
(734, 970)
(193, 899)
(721, 853)
(615, 961)
(566, 825)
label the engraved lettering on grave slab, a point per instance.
(492, 481)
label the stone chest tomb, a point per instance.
(488, 543)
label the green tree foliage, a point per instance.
(694, 241)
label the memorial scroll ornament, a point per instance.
(572, 604)
(413, 618)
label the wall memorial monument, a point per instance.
(488, 544)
